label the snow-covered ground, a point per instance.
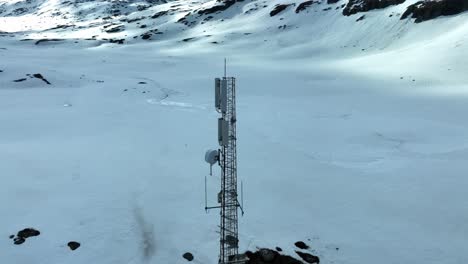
(361, 154)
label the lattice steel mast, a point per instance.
(226, 157)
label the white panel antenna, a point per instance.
(223, 132)
(218, 94)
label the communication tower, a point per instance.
(226, 158)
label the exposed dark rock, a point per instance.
(427, 10)
(61, 27)
(115, 29)
(309, 258)
(158, 14)
(146, 36)
(141, 82)
(301, 245)
(356, 6)
(135, 19)
(12, 236)
(224, 5)
(256, 258)
(279, 249)
(28, 232)
(39, 76)
(19, 240)
(278, 9)
(47, 40)
(73, 245)
(117, 41)
(332, 1)
(188, 256)
(303, 6)
(361, 18)
(23, 234)
(20, 80)
(267, 255)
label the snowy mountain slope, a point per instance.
(319, 30)
(352, 134)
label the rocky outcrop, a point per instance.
(356, 6)
(427, 10)
(278, 9)
(223, 5)
(266, 256)
(304, 5)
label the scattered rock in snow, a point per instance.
(47, 40)
(146, 36)
(301, 245)
(361, 18)
(117, 41)
(116, 29)
(40, 77)
(18, 240)
(188, 256)
(28, 232)
(73, 245)
(159, 14)
(23, 234)
(309, 258)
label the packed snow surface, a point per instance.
(360, 151)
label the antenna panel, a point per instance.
(223, 96)
(218, 94)
(223, 132)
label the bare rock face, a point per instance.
(309, 258)
(266, 256)
(278, 9)
(356, 6)
(221, 6)
(430, 9)
(304, 5)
